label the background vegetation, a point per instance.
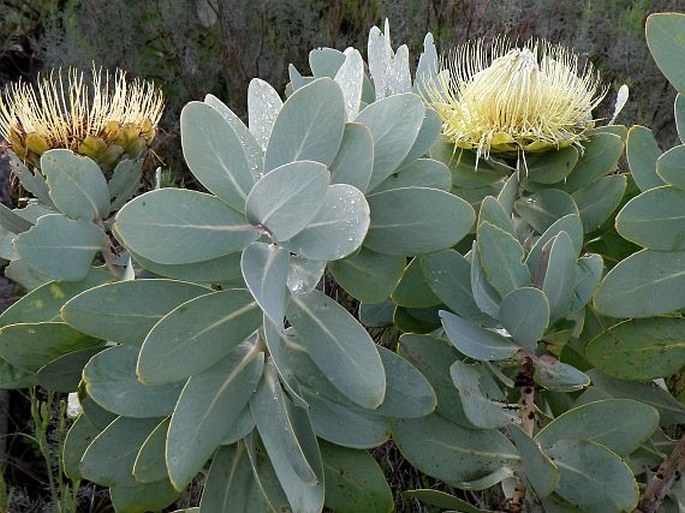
(192, 47)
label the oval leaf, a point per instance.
(663, 32)
(215, 154)
(639, 349)
(394, 122)
(642, 152)
(645, 284)
(655, 219)
(285, 200)
(340, 347)
(196, 334)
(476, 342)
(632, 423)
(110, 379)
(76, 184)
(451, 453)
(207, 408)
(179, 226)
(126, 311)
(309, 126)
(265, 269)
(60, 248)
(416, 220)
(524, 313)
(338, 228)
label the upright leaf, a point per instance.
(265, 269)
(208, 406)
(663, 31)
(231, 486)
(263, 106)
(501, 256)
(215, 155)
(290, 444)
(309, 126)
(337, 229)
(353, 163)
(76, 184)
(340, 347)
(642, 152)
(524, 313)
(394, 122)
(287, 198)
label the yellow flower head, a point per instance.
(499, 99)
(106, 119)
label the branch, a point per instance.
(661, 483)
(527, 385)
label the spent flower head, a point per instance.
(496, 98)
(107, 118)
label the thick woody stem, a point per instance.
(661, 483)
(527, 386)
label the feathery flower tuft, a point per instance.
(503, 100)
(107, 119)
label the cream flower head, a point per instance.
(500, 99)
(107, 119)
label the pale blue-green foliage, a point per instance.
(202, 358)
(225, 349)
(647, 283)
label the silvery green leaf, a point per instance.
(296, 78)
(325, 62)
(251, 148)
(353, 164)
(338, 228)
(209, 405)
(288, 198)
(215, 154)
(265, 269)
(77, 186)
(309, 126)
(61, 248)
(389, 71)
(125, 182)
(427, 69)
(32, 181)
(476, 342)
(263, 106)
(304, 274)
(480, 409)
(350, 77)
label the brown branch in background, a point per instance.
(527, 385)
(661, 482)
